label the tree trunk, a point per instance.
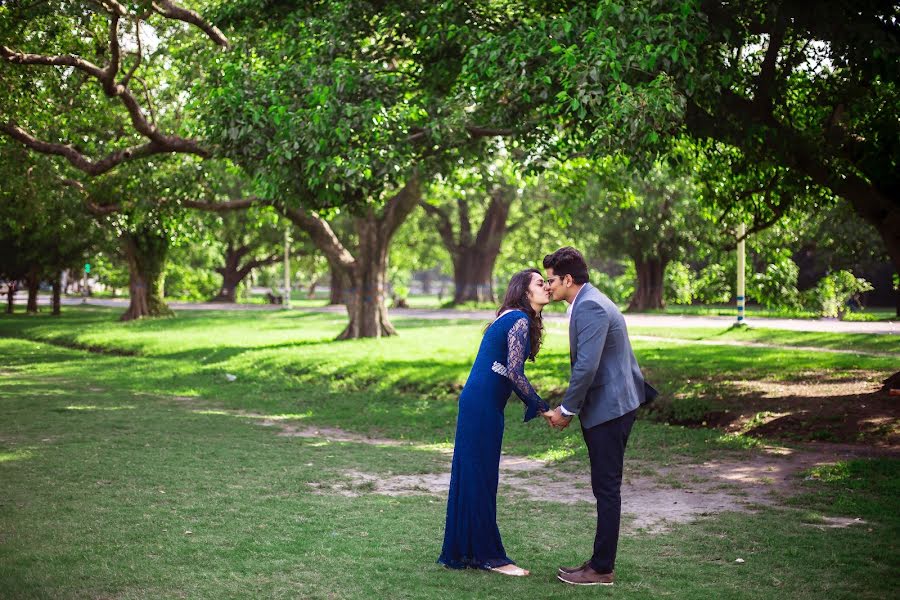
(311, 290)
(146, 253)
(365, 296)
(473, 274)
(231, 273)
(338, 285)
(57, 292)
(474, 259)
(367, 272)
(648, 293)
(34, 281)
(11, 297)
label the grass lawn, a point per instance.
(847, 342)
(127, 472)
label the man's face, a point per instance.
(554, 285)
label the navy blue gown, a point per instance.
(471, 536)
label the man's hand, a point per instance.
(556, 419)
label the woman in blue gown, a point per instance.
(471, 536)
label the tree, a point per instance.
(102, 60)
(107, 80)
(43, 230)
(251, 239)
(486, 194)
(342, 108)
(651, 216)
(806, 97)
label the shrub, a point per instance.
(837, 292)
(678, 283)
(714, 285)
(776, 287)
(619, 289)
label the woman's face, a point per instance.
(536, 292)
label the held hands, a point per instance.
(556, 419)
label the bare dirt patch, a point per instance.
(855, 408)
(652, 497)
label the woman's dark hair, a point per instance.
(517, 299)
(568, 261)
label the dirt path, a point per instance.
(652, 497)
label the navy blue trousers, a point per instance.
(606, 449)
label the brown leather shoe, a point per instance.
(573, 569)
(586, 576)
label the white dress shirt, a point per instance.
(569, 314)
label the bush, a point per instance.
(678, 283)
(714, 285)
(836, 293)
(776, 287)
(188, 283)
(619, 289)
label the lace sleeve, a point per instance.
(517, 345)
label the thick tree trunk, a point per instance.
(648, 293)
(34, 281)
(231, 273)
(11, 297)
(339, 285)
(57, 292)
(146, 254)
(365, 296)
(366, 272)
(473, 274)
(474, 258)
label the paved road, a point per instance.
(634, 320)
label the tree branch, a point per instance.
(321, 234)
(62, 60)
(220, 207)
(82, 162)
(768, 70)
(171, 10)
(98, 210)
(444, 226)
(398, 208)
(139, 56)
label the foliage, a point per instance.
(712, 284)
(619, 288)
(190, 272)
(836, 291)
(679, 283)
(777, 285)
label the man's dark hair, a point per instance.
(568, 261)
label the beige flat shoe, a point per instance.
(511, 570)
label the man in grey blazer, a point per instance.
(605, 389)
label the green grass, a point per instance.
(754, 311)
(850, 342)
(109, 458)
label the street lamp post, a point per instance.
(741, 254)
(287, 268)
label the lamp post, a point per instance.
(741, 257)
(287, 268)
(87, 270)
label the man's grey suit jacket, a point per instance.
(606, 381)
